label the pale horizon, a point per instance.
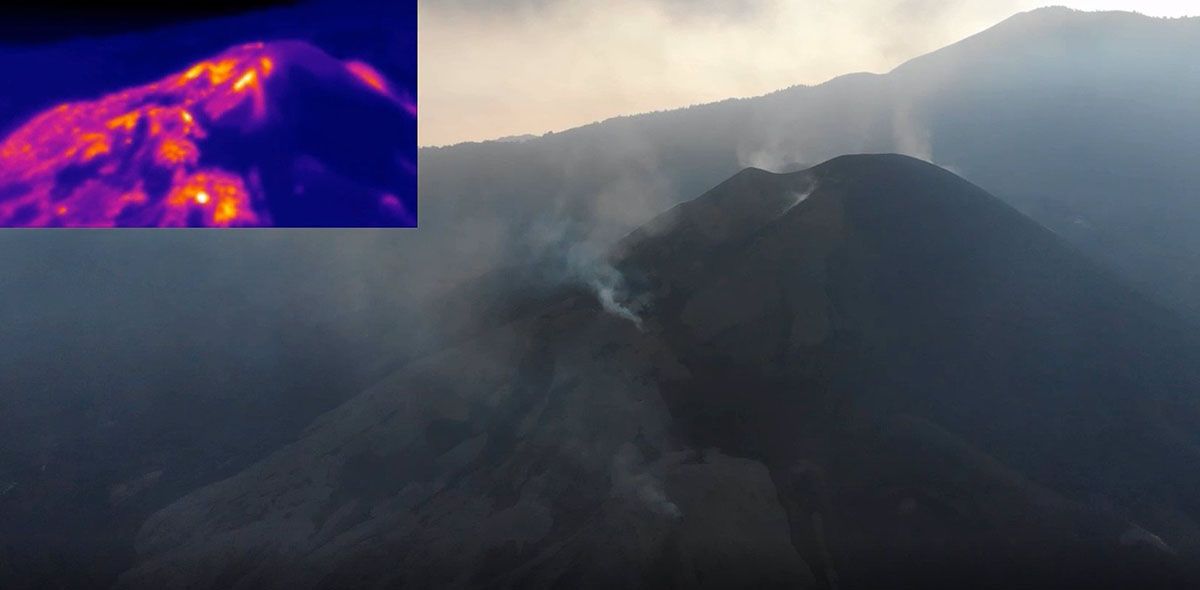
(516, 67)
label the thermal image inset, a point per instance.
(217, 145)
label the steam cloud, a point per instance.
(588, 268)
(634, 480)
(910, 136)
(571, 242)
(797, 197)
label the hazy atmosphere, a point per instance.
(911, 301)
(491, 69)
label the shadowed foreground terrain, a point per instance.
(867, 374)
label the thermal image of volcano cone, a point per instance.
(263, 134)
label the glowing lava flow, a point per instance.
(374, 80)
(135, 157)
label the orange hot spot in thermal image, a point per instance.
(141, 157)
(369, 76)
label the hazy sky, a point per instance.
(490, 68)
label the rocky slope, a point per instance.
(869, 372)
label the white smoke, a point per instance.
(633, 480)
(910, 136)
(589, 268)
(772, 153)
(574, 235)
(796, 197)
(1136, 535)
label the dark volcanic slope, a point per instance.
(869, 374)
(973, 390)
